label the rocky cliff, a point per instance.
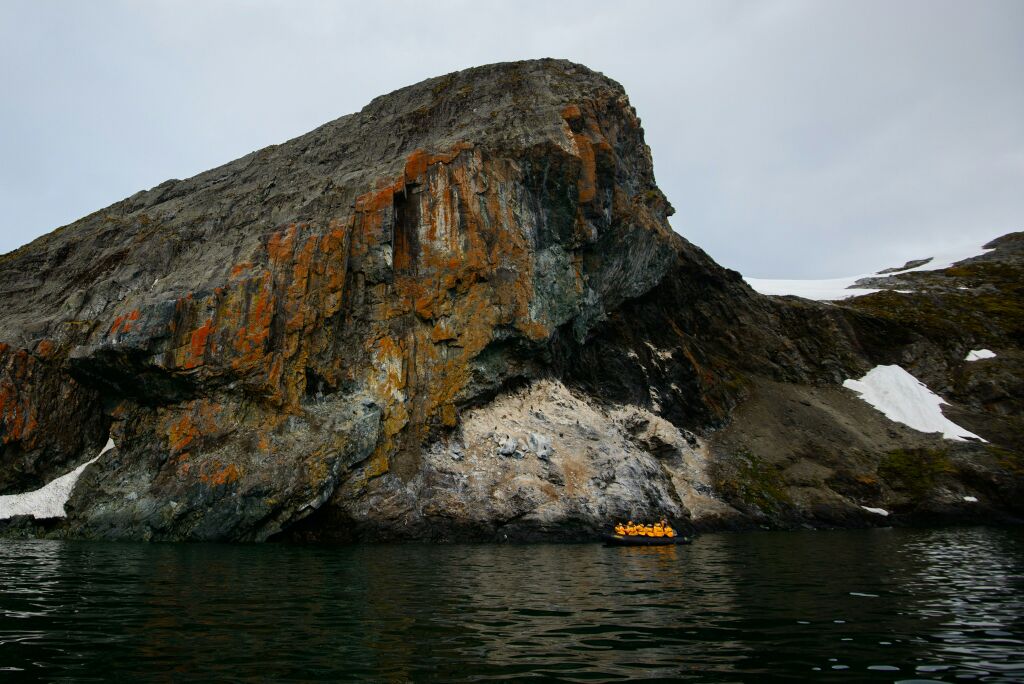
(461, 313)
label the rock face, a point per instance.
(461, 313)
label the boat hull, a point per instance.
(622, 540)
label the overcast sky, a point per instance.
(799, 139)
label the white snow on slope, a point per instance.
(876, 511)
(905, 399)
(948, 257)
(979, 354)
(823, 290)
(832, 289)
(48, 501)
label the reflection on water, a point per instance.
(886, 605)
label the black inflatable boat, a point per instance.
(637, 540)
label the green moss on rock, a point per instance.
(915, 471)
(1011, 461)
(747, 480)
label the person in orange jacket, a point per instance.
(669, 532)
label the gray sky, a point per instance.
(796, 138)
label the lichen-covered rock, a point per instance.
(46, 418)
(457, 313)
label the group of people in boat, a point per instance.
(658, 529)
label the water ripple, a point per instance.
(859, 606)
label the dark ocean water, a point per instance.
(879, 605)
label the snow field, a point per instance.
(834, 289)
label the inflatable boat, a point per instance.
(637, 540)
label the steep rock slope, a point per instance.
(458, 313)
(806, 453)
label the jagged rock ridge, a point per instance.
(458, 313)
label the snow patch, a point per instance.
(971, 499)
(979, 354)
(833, 289)
(876, 511)
(48, 501)
(948, 257)
(905, 399)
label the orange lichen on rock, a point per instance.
(45, 348)
(442, 333)
(14, 414)
(192, 422)
(19, 414)
(255, 313)
(181, 434)
(220, 475)
(419, 161)
(387, 379)
(534, 330)
(450, 262)
(381, 197)
(471, 272)
(197, 344)
(279, 247)
(584, 143)
(424, 307)
(449, 416)
(587, 183)
(238, 269)
(132, 317)
(332, 269)
(117, 324)
(123, 323)
(450, 229)
(302, 283)
(378, 463)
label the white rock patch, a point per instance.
(876, 511)
(971, 499)
(689, 467)
(48, 501)
(979, 354)
(543, 455)
(905, 399)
